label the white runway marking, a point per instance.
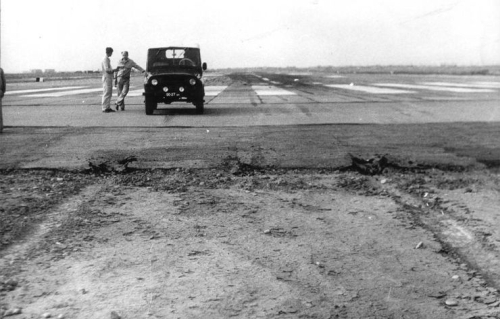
(334, 76)
(467, 85)
(434, 88)
(368, 89)
(488, 84)
(44, 90)
(270, 90)
(65, 93)
(209, 90)
(214, 90)
(135, 92)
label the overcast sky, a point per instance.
(69, 35)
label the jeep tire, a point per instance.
(151, 105)
(199, 107)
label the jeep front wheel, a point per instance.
(151, 105)
(199, 107)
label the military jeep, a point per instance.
(174, 75)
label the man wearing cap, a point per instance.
(107, 81)
(125, 65)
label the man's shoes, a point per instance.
(120, 106)
(108, 111)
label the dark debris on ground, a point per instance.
(27, 195)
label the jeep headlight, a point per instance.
(192, 81)
(154, 81)
(165, 89)
(181, 89)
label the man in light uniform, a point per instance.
(123, 79)
(3, 87)
(107, 81)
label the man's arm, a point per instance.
(107, 66)
(134, 65)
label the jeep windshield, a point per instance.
(173, 59)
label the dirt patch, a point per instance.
(27, 196)
(250, 242)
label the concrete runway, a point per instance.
(291, 120)
(267, 99)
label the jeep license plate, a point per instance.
(171, 94)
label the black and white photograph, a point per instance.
(278, 159)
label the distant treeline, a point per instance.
(379, 69)
(376, 69)
(53, 76)
(23, 77)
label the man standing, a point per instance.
(107, 81)
(3, 87)
(123, 78)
